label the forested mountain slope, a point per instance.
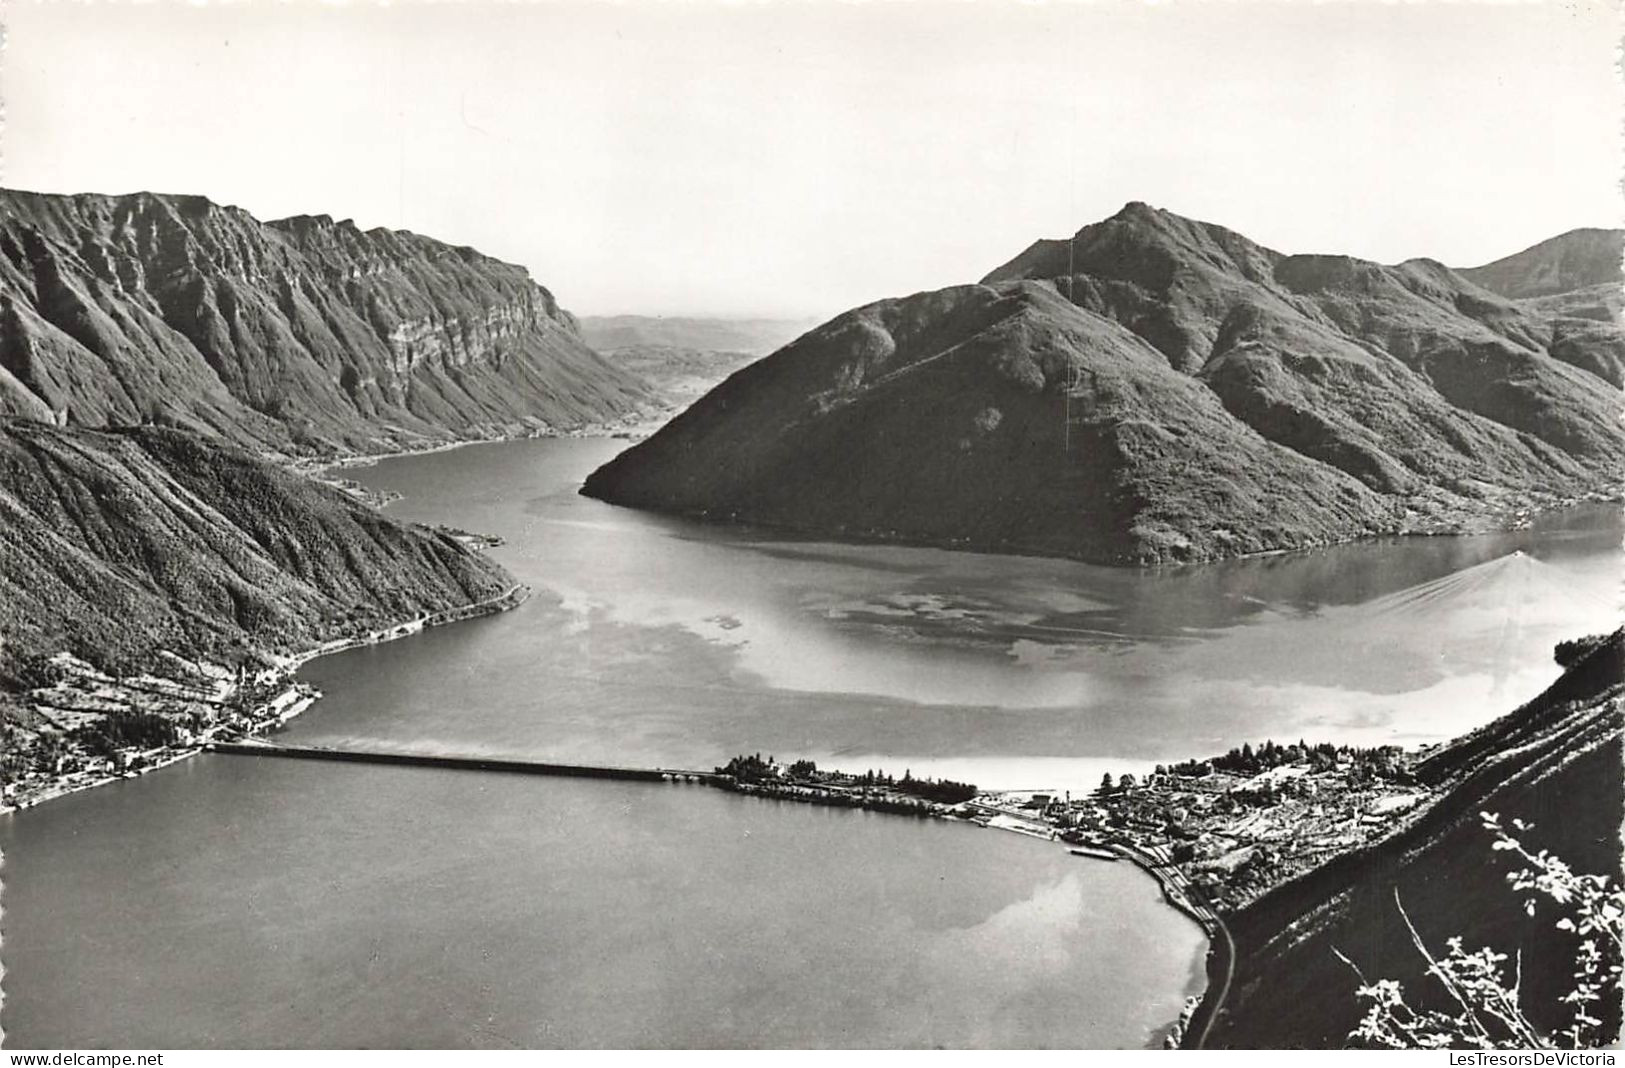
(1154, 389)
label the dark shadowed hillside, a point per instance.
(1556, 763)
(1154, 389)
(300, 336)
(114, 545)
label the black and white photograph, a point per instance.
(678, 525)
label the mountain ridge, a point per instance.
(1154, 389)
(301, 336)
(1576, 259)
(157, 586)
(120, 543)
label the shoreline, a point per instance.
(329, 471)
(1189, 1030)
(1171, 1035)
(509, 599)
(323, 471)
(1488, 524)
(635, 427)
(285, 667)
(643, 421)
(172, 754)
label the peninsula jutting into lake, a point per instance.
(1319, 832)
(813, 526)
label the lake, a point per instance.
(229, 901)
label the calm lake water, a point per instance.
(229, 901)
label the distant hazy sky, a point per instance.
(797, 159)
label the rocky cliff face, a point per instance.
(115, 545)
(300, 336)
(1154, 389)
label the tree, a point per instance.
(1106, 783)
(747, 769)
(1489, 1013)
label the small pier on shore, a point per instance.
(463, 763)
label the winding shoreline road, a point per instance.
(1221, 967)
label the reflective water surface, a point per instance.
(662, 641)
(229, 901)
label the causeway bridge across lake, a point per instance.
(463, 763)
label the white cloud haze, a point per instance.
(797, 159)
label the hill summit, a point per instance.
(1578, 259)
(1154, 389)
(1576, 275)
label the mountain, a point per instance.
(1154, 389)
(1579, 259)
(117, 544)
(303, 336)
(755, 337)
(678, 376)
(1555, 763)
(1574, 281)
(682, 358)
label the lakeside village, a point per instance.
(79, 727)
(76, 726)
(1216, 833)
